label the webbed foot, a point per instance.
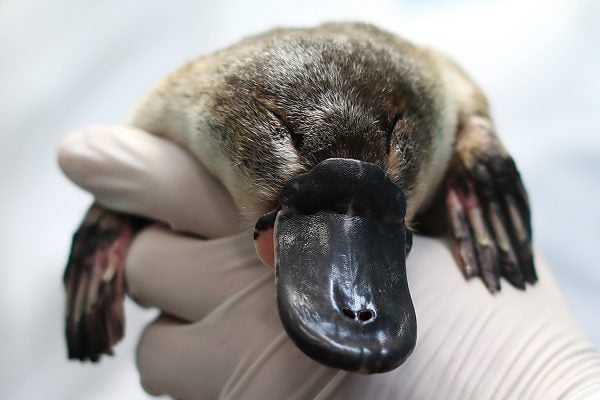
(489, 211)
(95, 285)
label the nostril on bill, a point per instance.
(362, 315)
(348, 313)
(366, 315)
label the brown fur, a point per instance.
(277, 104)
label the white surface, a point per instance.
(67, 63)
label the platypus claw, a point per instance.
(490, 222)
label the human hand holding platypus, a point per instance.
(220, 334)
(338, 230)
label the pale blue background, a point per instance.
(68, 63)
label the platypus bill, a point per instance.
(335, 142)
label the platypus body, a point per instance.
(336, 142)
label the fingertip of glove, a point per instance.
(71, 154)
(83, 153)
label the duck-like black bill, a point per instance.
(341, 246)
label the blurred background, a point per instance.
(65, 64)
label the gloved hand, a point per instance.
(220, 335)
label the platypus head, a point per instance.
(329, 138)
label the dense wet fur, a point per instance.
(277, 104)
(322, 99)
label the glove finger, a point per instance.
(188, 277)
(238, 351)
(197, 360)
(132, 171)
(165, 356)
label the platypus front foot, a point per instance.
(489, 211)
(95, 283)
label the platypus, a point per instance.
(336, 144)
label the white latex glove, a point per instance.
(224, 339)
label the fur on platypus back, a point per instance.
(275, 105)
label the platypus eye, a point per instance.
(397, 119)
(280, 118)
(283, 119)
